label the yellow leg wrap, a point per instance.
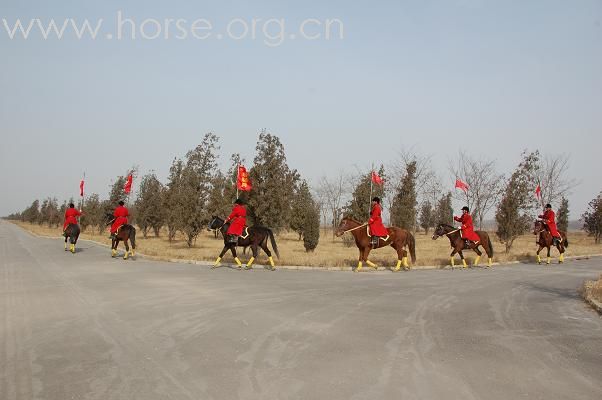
(65, 245)
(490, 261)
(113, 253)
(125, 256)
(132, 252)
(250, 262)
(548, 260)
(371, 264)
(464, 263)
(359, 266)
(404, 261)
(538, 259)
(561, 258)
(476, 260)
(452, 261)
(398, 266)
(217, 262)
(237, 261)
(72, 248)
(271, 260)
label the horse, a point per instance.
(545, 239)
(398, 239)
(72, 234)
(253, 236)
(124, 233)
(458, 244)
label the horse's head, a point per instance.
(538, 226)
(216, 223)
(345, 224)
(439, 231)
(109, 218)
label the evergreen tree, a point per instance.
(149, 205)
(592, 218)
(563, 215)
(445, 213)
(426, 216)
(515, 210)
(403, 210)
(116, 195)
(92, 213)
(172, 199)
(32, 213)
(273, 184)
(302, 202)
(311, 228)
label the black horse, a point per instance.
(125, 233)
(254, 236)
(72, 234)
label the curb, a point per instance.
(312, 268)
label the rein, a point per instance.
(357, 227)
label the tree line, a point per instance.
(413, 195)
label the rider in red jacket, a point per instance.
(377, 229)
(549, 218)
(467, 227)
(121, 218)
(71, 215)
(238, 218)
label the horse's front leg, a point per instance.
(538, 256)
(561, 250)
(219, 258)
(114, 243)
(463, 259)
(370, 263)
(361, 258)
(452, 262)
(549, 260)
(233, 251)
(66, 237)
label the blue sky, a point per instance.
(489, 77)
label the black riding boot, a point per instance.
(374, 241)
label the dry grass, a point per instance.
(331, 251)
(593, 290)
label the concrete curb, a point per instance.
(596, 305)
(366, 269)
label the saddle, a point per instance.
(234, 238)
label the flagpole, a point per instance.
(370, 202)
(237, 177)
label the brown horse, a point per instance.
(458, 244)
(398, 239)
(545, 239)
(124, 233)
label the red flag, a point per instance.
(81, 188)
(128, 184)
(243, 182)
(376, 179)
(538, 192)
(461, 185)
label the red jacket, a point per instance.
(467, 227)
(71, 215)
(376, 222)
(549, 217)
(121, 218)
(238, 216)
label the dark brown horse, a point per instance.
(125, 233)
(545, 239)
(458, 244)
(254, 236)
(398, 239)
(72, 234)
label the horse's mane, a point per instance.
(446, 225)
(348, 217)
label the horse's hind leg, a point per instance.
(560, 248)
(114, 244)
(463, 259)
(264, 246)
(127, 249)
(253, 256)
(402, 258)
(549, 260)
(478, 258)
(66, 238)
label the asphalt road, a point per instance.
(86, 326)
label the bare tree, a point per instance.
(332, 193)
(485, 184)
(553, 180)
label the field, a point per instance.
(331, 252)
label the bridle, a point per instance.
(448, 233)
(352, 229)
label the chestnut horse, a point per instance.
(545, 239)
(458, 244)
(398, 239)
(124, 233)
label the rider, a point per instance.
(71, 215)
(549, 218)
(238, 216)
(467, 228)
(377, 229)
(121, 218)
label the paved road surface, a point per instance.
(86, 326)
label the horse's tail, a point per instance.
(133, 237)
(273, 241)
(412, 246)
